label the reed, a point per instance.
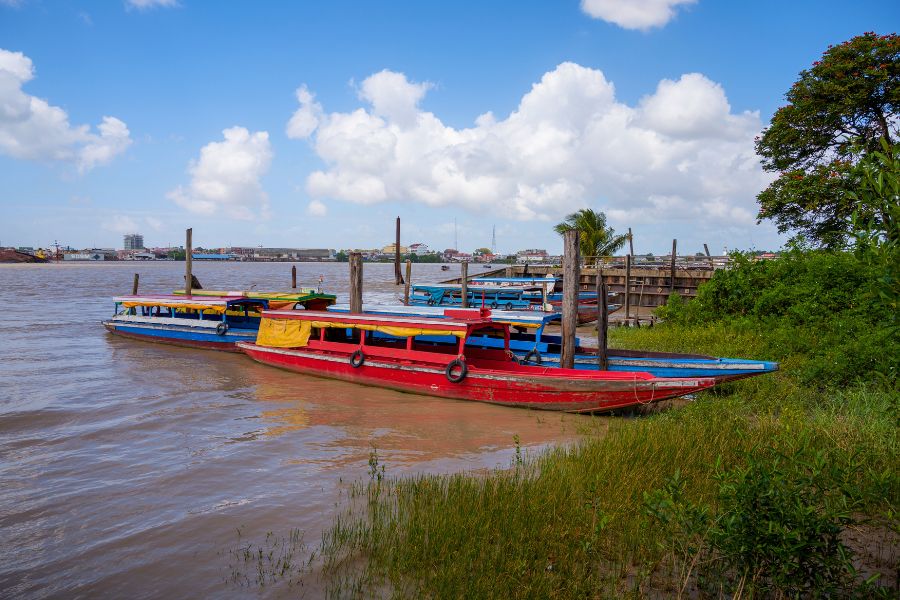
(597, 519)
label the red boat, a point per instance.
(342, 346)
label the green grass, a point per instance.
(575, 522)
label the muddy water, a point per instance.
(126, 468)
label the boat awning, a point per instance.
(296, 295)
(217, 305)
(291, 329)
(531, 319)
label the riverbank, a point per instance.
(782, 484)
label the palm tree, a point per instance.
(596, 239)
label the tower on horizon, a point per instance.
(134, 241)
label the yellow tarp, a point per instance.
(294, 333)
(283, 333)
(206, 308)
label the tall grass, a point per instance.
(575, 521)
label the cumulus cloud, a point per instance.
(317, 208)
(148, 4)
(680, 153)
(306, 118)
(633, 14)
(226, 178)
(120, 224)
(32, 129)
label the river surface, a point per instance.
(127, 468)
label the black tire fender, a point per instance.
(463, 370)
(533, 356)
(494, 304)
(509, 306)
(222, 328)
(357, 359)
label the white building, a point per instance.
(419, 249)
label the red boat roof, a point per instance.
(468, 323)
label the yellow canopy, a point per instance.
(206, 308)
(294, 333)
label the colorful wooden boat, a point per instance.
(210, 322)
(533, 346)
(349, 347)
(309, 298)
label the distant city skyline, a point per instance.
(316, 124)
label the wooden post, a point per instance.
(188, 258)
(464, 278)
(398, 277)
(630, 242)
(356, 282)
(627, 288)
(509, 271)
(571, 279)
(602, 322)
(293, 276)
(408, 280)
(672, 278)
(134, 286)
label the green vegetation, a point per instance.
(838, 111)
(596, 239)
(752, 489)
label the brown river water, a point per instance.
(127, 467)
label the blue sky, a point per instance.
(155, 116)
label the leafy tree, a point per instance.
(483, 251)
(596, 239)
(836, 112)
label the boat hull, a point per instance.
(180, 336)
(518, 386)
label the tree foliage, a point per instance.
(596, 238)
(836, 112)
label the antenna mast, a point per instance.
(455, 236)
(494, 240)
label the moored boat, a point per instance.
(533, 346)
(210, 322)
(386, 351)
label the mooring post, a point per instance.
(509, 271)
(134, 286)
(408, 279)
(672, 277)
(293, 276)
(398, 277)
(356, 282)
(188, 257)
(464, 278)
(571, 279)
(627, 288)
(602, 322)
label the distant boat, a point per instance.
(445, 268)
(488, 266)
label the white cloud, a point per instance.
(226, 178)
(149, 4)
(32, 129)
(392, 96)
(120, 224)
(306, 118)
(317, 208)
(680, 153)
(633, 14)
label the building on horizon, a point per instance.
(134, 241)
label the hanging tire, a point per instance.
(463, 370)
(508, 306)
(357, 359)
(222, 328)
(493, 305)
(533, 356)
(430, 302)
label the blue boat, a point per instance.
(529, 342)
(450, 295)
(215, 323)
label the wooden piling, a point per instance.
(134, 285)
(464, 278)
(571, 279)
(408, 280)
(672, 278)
(630, 242)
(627, 287)
(356, 282)
(602, 322)
(294, 277)
(188, 259)
(398, 277)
